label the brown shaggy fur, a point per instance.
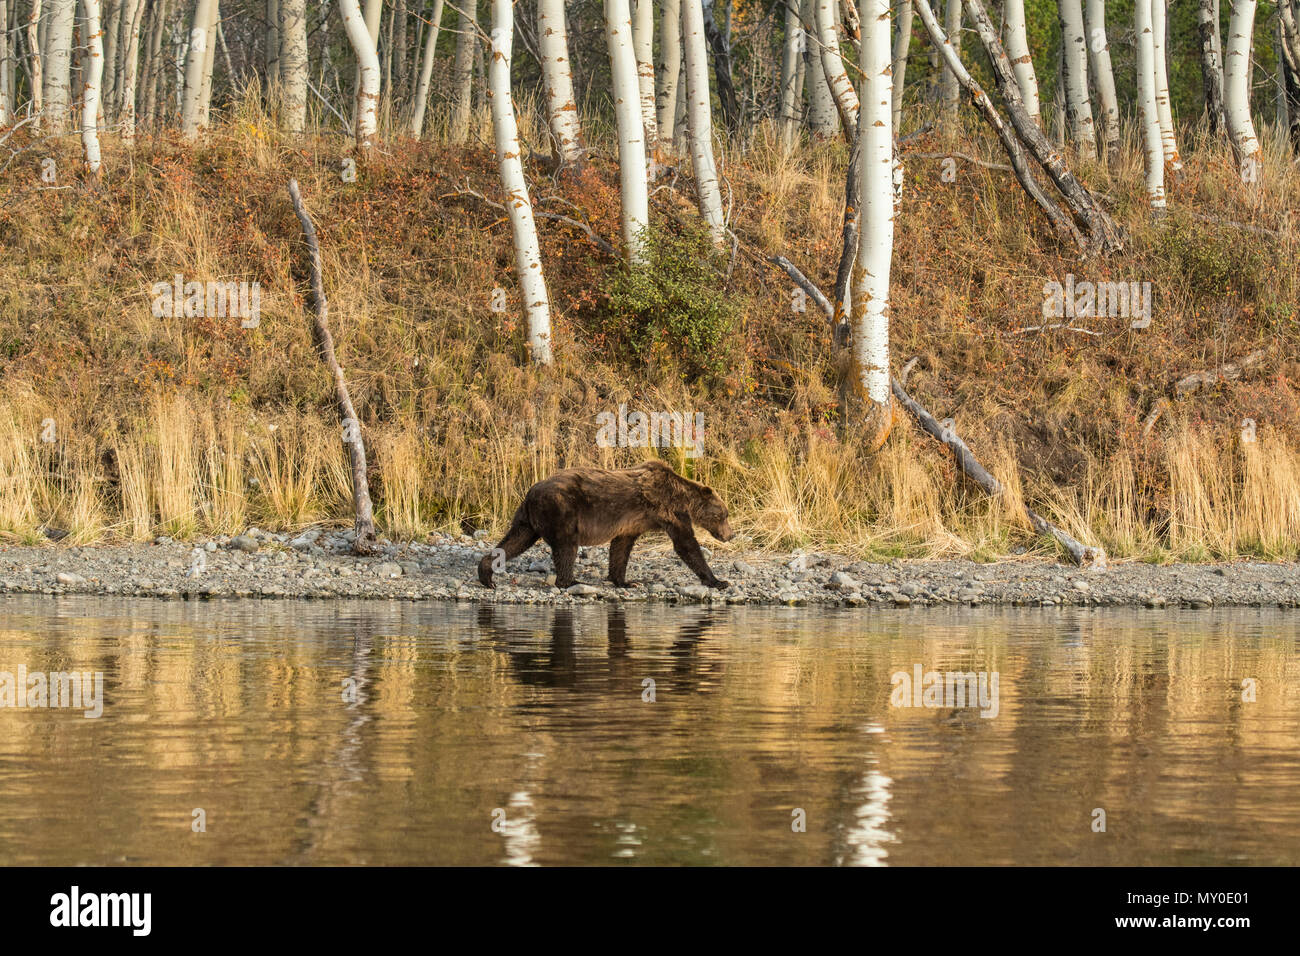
(591, 506)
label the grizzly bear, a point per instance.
(590, 506)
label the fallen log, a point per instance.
(966, 461)
(1228, 372)
(365, 519)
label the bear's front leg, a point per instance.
(564, 552)
(688, 549)
(620, 549)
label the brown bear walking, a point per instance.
(590, 506)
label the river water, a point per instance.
(251, 732)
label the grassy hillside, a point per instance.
(191, 426)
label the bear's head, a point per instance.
(711, 514)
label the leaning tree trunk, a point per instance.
(293, 64)
(528, 254)
(643, 44)
(1207, 25)
(462, 69)
(195, 60)
(1103, 74)
(92, 76)
(1017, 44)
(631, 131)
(368, 59)
(1103, 235)
(699, 118)
(1289, 66)
(426, 66)
(1006, 135)
(869, 378)
(561, 110)
(58, 64)
(668, 71)
(365, 520)
(1168, 138)
(1236, 92)
(837, 78)
(902, 43)
(823, 118)
(1078, 107)
(1148, 116)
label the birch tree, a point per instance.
(837, 78)
(902, 43)
(195, 61)
(668, 71)
(1168, 139)
(643, 43)
(700, 118)
(948, 90)
(1075, 52)
(463, 69)
(631, 130)
(426, 68)
(870, 285)
(1149, 119)
(92, 76)
(57, 50)
(272, 40)
(1017, 47)
(35, 62)
(1207, 26)
(6, 91)
(561, 110)
(293, 63)
(1236, 91)
(791, 93)
(1102, 73)
(528, 255)
(363, 46)
(823, 117)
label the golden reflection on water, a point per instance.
(376, 732)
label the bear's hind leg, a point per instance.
(518, 539)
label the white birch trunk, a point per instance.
(132, 16)
(643, 45)
(1148, 116)
(870, 283)
(631, 129)
(1078, 107)
(6, 87)
(1236, 89)
(823, 118)
(846, 100)
(1016, 42)
(668, 72)
(426, 70)
(58, 64)
(528, 254)
(272, 52)
(209, 60)
(34, 54)
(948, 86)
(1159, 34)
(92, 77)
(700, 119)
(1103, 73)
(293, 64)
(902, 43)
(463, 69)
(363, 45)
(195, 58)
(561, 110)
(791, 91)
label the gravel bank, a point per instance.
(317, 564)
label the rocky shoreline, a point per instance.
(318, 564)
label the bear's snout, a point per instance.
(724, 532)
